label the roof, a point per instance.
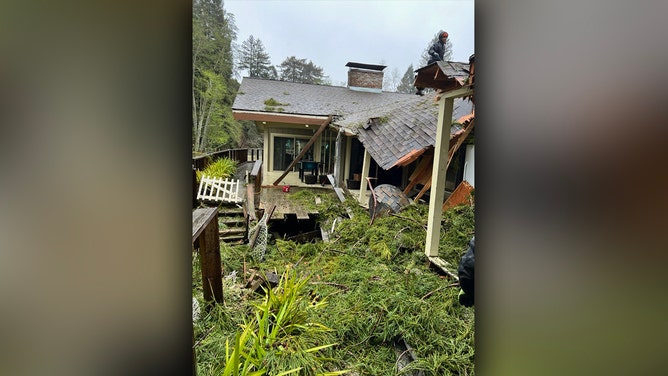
(444, 75)
(291, 98)
(407, 131)
(395, 128)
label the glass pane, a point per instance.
(283, 152)
(300, 143)
(327, 156)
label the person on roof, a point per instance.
(437, 50)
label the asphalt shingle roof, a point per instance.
(401, 123)
(310, 99)
(406, 129)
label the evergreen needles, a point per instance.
(344, 304)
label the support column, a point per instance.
(438, 176)
(337, 159)
(440, 167)
(365, 174)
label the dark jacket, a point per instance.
(436, 51)
(466, 275)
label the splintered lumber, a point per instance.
(459, 196)
(444, 266)
(422, 173)
(424, 189)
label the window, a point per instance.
(286, 149)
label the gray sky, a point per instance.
(332, 33)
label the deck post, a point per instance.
(205, 227)
(439, 168)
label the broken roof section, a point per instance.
(443, 75)
(395, 128)
(404, 133)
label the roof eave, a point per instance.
(280, 117)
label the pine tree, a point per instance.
(254, 59)
(213, 87)
(406, 82)
(298, 70)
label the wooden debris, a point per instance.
(406, 355)
(459, 196)
(256, 280)
(444, 266)
(305, 237)
(253, 239)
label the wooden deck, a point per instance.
(275, 196)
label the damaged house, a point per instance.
(358, 131)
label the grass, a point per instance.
(341, 305)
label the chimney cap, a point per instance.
(366, 66)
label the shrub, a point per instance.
(222, 168)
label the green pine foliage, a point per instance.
(342, 305)
(213, 87)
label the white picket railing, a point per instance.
(219, 189)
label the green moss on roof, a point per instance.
(274, 109)
(273, 102)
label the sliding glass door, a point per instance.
(286, 149)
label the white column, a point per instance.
(437, 191)
(440, 167)
(365, 173)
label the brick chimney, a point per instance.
(365, 77)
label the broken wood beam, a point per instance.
(459, 196)
(443, 266)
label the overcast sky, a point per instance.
(331, 33)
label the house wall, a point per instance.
(271, 130)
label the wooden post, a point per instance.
(194, 356)
(205, 227)
(365, 174)
(439, 169)
(212, 281)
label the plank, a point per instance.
(444, 266)
(339, 193)
(459, 196)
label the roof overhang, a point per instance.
(280, 117)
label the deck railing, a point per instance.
(239, 155)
